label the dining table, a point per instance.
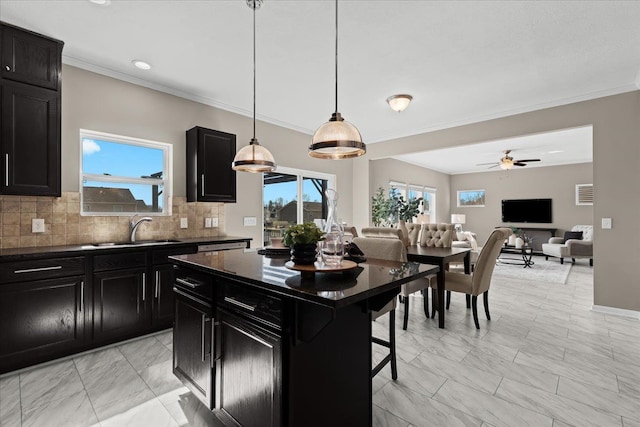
(441, 257)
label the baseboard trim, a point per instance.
(616, 311)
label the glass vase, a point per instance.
(332, 247)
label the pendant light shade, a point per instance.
(254, 157)
(337, 139)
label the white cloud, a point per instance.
(89, 146)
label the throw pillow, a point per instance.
(576, 235)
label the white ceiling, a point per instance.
(553, 149)
(463, 62)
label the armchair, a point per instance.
(567, 247)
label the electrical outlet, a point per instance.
(207, 223)
(37, 225)
(214, 222)
(606, 223)
(184, 223)
(250, 221)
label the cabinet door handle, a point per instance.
(157, 284)
(144, 286)
(34, 270)
(82, 296)
(203, 341)
(201, 185)
(240, 304)
(187, 283)
(6, 170)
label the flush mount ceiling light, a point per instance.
(336, 139)
(399, 102)
(141, 64)
(101, 2)
(254, 157)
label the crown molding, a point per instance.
(78, 63)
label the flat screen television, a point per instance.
(526, 210)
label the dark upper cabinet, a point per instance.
(209, 174)
(29, 113)
(30, 58)
(30, 140)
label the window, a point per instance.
(414, 191)
(281, 192)
(124, 176)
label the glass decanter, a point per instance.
(332, 247)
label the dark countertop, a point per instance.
(329, 289)
(19, 253)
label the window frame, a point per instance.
(166, 181)
(404, 189)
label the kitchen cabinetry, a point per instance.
(43, 310)
(163, 277)
(194, 340)
(29, 113)
(248, 372)
(121, 305)
(209, 174)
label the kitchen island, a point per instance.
(263, 346)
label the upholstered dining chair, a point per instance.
(478, 282)
(390, 250)
(433, 235)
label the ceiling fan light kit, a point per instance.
(507, 162)
(337, 138)
(254, 157)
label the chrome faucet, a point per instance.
(133, 225)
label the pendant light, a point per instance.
(254, 157)
(337, 139)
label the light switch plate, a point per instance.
(207, 223)
(184, 223)
(250, 221)
(37, 225)
(214, 222)
(606, 223)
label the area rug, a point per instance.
(542, 271)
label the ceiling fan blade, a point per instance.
(494, 166)
(484, 164)
(519, 164)
(527, 160)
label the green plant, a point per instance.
(307, 233)
(388, 210)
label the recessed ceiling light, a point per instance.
(555, 152)
(101, 2)
(141, 64)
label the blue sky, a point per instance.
(104, 157)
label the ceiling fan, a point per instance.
(507, 162)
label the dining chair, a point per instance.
(390, 250)
(478, 282)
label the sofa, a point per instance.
(570, 246)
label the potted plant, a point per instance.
(387, 211)
(303, 240)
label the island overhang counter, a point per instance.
(261, 345)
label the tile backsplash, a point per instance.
(65, 226)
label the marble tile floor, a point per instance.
(545, 359)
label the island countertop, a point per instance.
(331, 289)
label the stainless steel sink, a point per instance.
(138, 242)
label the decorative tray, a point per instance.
(310, 269)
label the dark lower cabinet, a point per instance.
(163, 307)
(41, 318)
(249, 372)
(121, 306)
(193, 344)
